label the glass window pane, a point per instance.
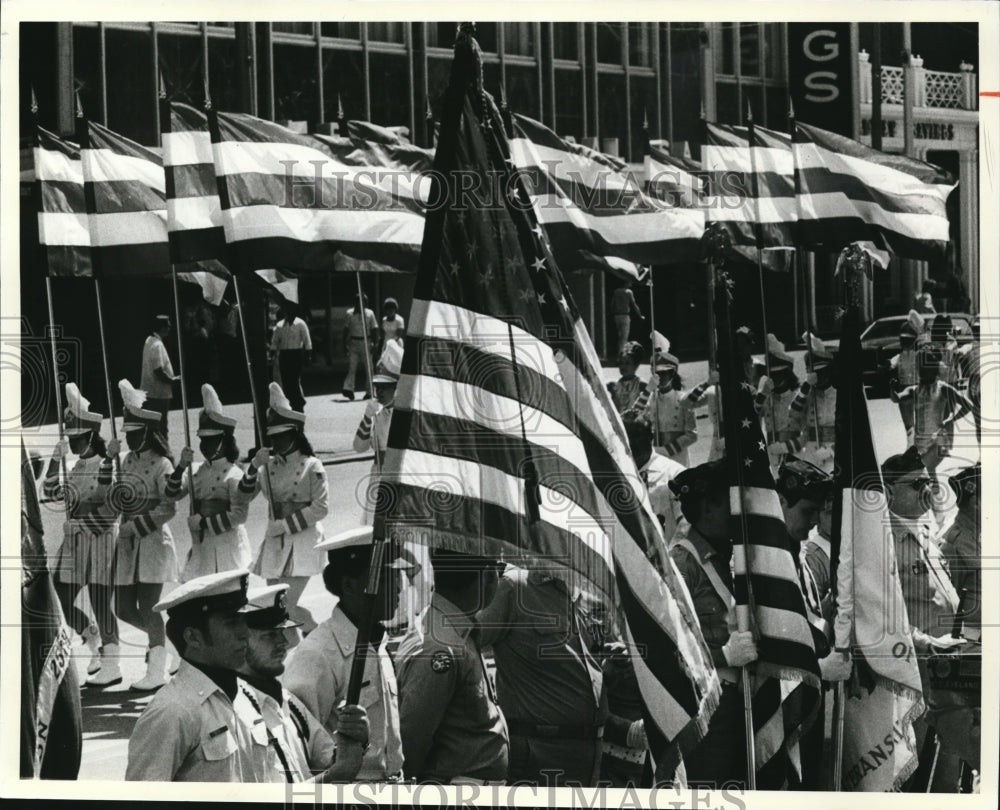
(750, 49)
(774, 62)
(685, 83)
(727, 104)
(724, 59)
(441, 35)
(754, 96)
(522, 90)
(343, 30)
(486, 35)
(519, 38)
(611, 109)
(295, 92)
(566, 41)
(87, 71)
(343, 78)
(642, 91)
(293, 27)
(222, 73)
(640, 44)
(387, 31)
(569, 103)
(609, 43)
(180, 65)
(777, 108)
(132, 92)
(390, 89)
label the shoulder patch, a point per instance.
(441, 661)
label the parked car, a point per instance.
(880, 343)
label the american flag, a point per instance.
(504, 439)
(871, 619)
(677, 181)
(296, 201)
(785, 676)
(593, 210)
(753, 195)
(62, 212)
(849, 192)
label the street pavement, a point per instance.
(109, 715)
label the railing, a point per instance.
(930, 88)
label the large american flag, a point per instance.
(62, 212)
(849, 192)
(504, 439)
(675, 180)
(785, 677)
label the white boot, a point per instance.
(109, 673)
(156, 671)
(92, 638)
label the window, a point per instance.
(87, 71)
(522, 90)
(566, 41)
(642, 90)
(777, 108)
(132, 94)
(724, 59)
(753, 95)
(442, 35)
(640, 44)
(387, 31)
(685, 83)
(609, 43)
(519, 38)
(727, 104)
(569, 103)
(180, 66)
(343, 30)
(343, 79)
(750, 49)
(611, 109)
(774, 51)
(389, 74)
(292, 27)
(295, 90)
(222, 73)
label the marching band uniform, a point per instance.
(670, 413)
(86, 555)
(707, 395)
(773, 402)
(219, 539)
(626, 391)
(813, 410)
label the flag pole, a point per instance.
(184, 399)
(758, 242)
(368, 365)
(652, 318)
(258, 416)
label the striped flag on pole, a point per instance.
(753, 197)
(849, 192)
(591, 208)
(674, 180)
(292, 200)
(785, 677)
(884, 697)
(503, 437)
(62, 213)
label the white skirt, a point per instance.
(221, 552)
(151, 559)
(87, 557)
(290, 555)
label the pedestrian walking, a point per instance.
(158, 376)
(373, 431)
(670, 411)
(623, 307)
(292, 344)
(393, 325)
(360, 325)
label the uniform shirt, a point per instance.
(448, 712)
(904, 367)
(623, 302)
(154, 356)
(657, 474)
(931, 599)
(307, 747)
(89, 481)
(626, 392)
(378, 431)
(217, 495)
(393, 328)
(192, 732)
(318, 673)
(804, 416)
(932, 405)
(354, 327)
(814, 559)
(291, 335)
(962, 547)
(298, 487)
(671, 412)
(715, 616)
(545, 671)
(777, 416)
(143, 481)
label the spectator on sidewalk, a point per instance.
(360, 324)
(158, 376)
(292, 344)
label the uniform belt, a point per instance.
(554, 732)
(213, 506)
(730, 675)
(286, 508)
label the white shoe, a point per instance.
(109, 673)
(92, 638)
(156, 671)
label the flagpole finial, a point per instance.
(340, 109)
(503, 97)
(206, 94)
(163, 86)
(749, 112)
(791, 108)
(34, 101)
(703, 115)
(79, 103)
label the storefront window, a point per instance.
(295, 92)
(132, 95)
(609, 43)
(387, 31)
(727, 104)
(640, 44)
(522, 90)
(343, 78)
(87, 71)
(569, 103)
(611, 109)
(180, 65)
(725, 62)
(341, 30)
(292, 27)
(566, 41)
(750, 49)
(774, 51)
(642, 92)
(685, 83)
(519, 38)
(389, 74)
(222, 73)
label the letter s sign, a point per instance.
(820, 74)
(822, 81)
(821, 46)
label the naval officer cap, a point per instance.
(267, 609)
(224, 592)
(352, 551)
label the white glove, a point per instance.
(765, 386)
(741, 649)
(194, 525)
(114, 447)
(371, 409)
(836, 666)
(276, 528)
(824, 453)
(811, 378)
(187, 456)
(61, 450)
(946, 642)
(635, 737)
(261, 457)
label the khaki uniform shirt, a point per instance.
(154, 356)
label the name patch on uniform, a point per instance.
(441, 661)
(220, 730)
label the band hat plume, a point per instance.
(779, 358)
(820, 354)
(78, 418)
(663, 359)
(280, 416)
(389, 364)
(212, 421)
(135, 416)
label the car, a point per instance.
(880, 343)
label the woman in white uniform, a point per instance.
(86, 556)
(219, 539)
(294, 481)
(145, 558)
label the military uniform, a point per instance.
(318, 674)
(657, 474)
(931, 599)
(145, 551)
(453, 729)
(673, 422)
(299, 492)
(813, 411)
(708, 396)
(373, 434)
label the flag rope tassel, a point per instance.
(258, 416)
(184, 400)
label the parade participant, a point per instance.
(903, 368)
(743, 345)
(943, 337)
(373, 432)
(668, 410)
(219, 539)
(292, 343)
(393, 325)
(703, 560)
(360, 320)
(706, 395)
(625, 758)
(623, 307)
(320, 668)
(295, 485)
(158, 376)
(191, 731)
(962, 547)
(937, 407)
(813, 409)
(298, 747)
(775, 394)
(453, 730)
(549, 686)
(969, 359)
(145, 558)
(86, 557)
(625, 392)
(656, 472)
